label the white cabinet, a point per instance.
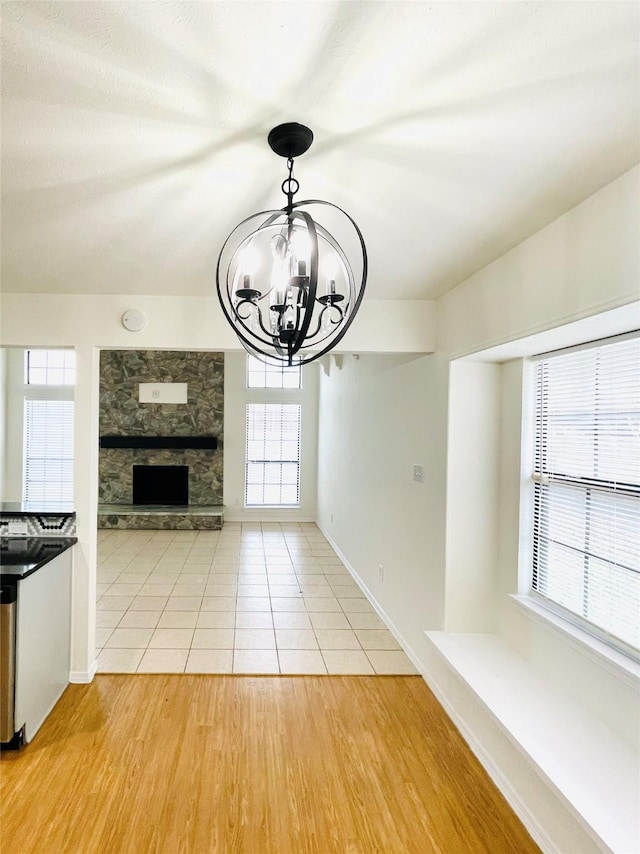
(43, 642)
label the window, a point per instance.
(273, 454)
(261, 375)
(586, 551)
(48, 452)
(50, 367)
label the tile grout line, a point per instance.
(276, 553)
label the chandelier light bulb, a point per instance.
(300, 248)
(250, 260)
(268, 269)
(331, 272)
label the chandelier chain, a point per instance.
(290, 186)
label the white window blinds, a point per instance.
(48, 452)
(273, 454)
(586, 555)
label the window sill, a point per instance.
(621, 665)
(271, 507)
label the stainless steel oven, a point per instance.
(8, 602)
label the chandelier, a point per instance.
(285, 283)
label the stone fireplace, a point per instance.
(180, 444)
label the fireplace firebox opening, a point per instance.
(161, 485)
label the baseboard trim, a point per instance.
(411, 655)
(537, 833)
(234, 514)
(83, 677)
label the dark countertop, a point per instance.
(21, 556)
(23, 508)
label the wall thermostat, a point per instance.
(134, 320)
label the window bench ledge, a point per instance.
(593, 771)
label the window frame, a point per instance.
(42, 392)
(528, 516)
(280, 369)
(67, 370)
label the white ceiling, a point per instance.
(134, 133)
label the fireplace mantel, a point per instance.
(177, 443)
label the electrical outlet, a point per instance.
(381, 572)
(18, 529)
(418, 474)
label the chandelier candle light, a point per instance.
(284, 282)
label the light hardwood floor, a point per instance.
(197, 764)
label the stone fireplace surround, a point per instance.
(122, 415)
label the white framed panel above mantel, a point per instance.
(162, 392)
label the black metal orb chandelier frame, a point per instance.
(285, 283)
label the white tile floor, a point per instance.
(252, 598)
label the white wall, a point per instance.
(446, 546)
(472, 495)
(584, 263)
(557, 283)
(380, 415)
(236, 397)
(3, 425)
(189, 323)
(13, 423)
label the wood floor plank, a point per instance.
(197, 764)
